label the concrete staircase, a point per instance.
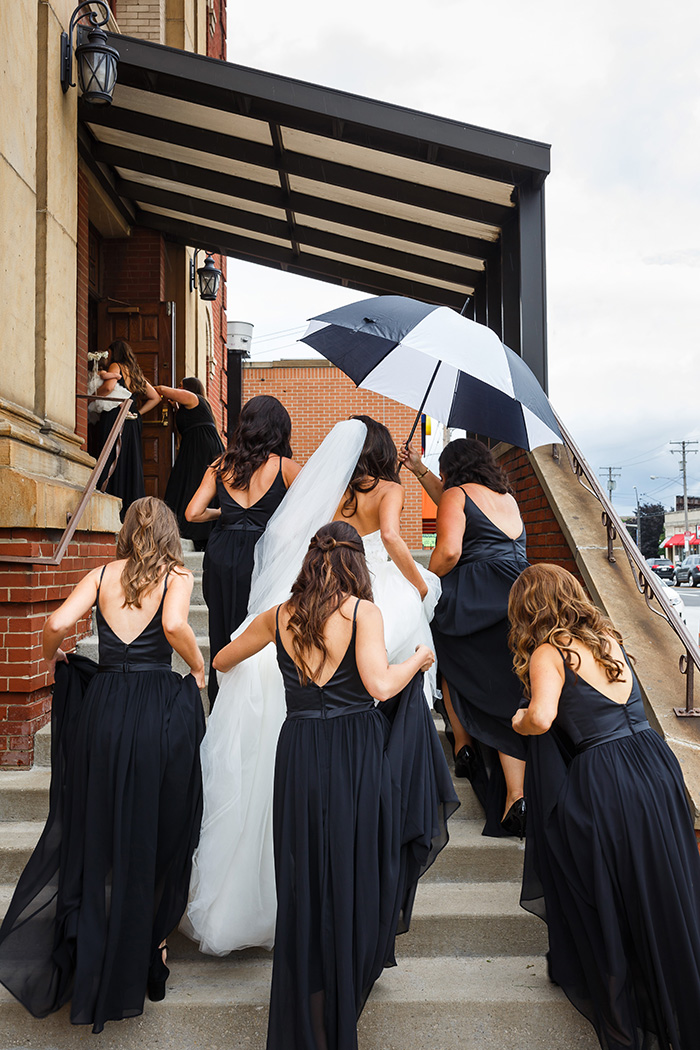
(471, 973)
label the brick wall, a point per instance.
(316, 397)
(82, 283)
(144, 19)
(28, 594)
(216, 29)
(545, 540)
(134, 267)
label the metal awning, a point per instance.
(327, 184)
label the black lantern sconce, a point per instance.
(208, 276)
(95, 59)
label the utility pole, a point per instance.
(613, 473)
(636, 494)
(683, 452)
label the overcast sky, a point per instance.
(614, 87)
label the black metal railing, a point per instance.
(648, 583)
(114, 439)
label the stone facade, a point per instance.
(64, 249)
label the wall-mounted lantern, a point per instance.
(208, 276)
(95, 59)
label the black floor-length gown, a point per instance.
(470, 631)
(612, 864)
(362, 795)
(228, 563)
(127, 480)
(200, 445)
(109, 877)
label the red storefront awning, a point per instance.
(678, 540)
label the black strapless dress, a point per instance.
(228, 564)
(200, 445)
(127, 480)
(109, 877)
(611, 864)
(470, 631)
(362, 795)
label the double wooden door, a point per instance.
(148, 329)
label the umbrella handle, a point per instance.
(422, 406)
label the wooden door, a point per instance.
(148, 329)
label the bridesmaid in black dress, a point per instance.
(611, 860)
(361, 798)
(109, 877)
(126, 480)
(200, 445)
(479, 552)
(250, 480)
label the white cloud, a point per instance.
(615, 89)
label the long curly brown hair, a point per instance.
(378, 462)
(150, 541)
(263, 430)
(333, 569)
(121, 354)
(548, 604)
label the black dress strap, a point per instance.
(99, 582)
(354, 614)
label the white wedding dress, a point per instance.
(232, 892)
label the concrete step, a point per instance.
(24, 795)
(467, 919)
(424, 1004)
(194, 560)
(469, 857)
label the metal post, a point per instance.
(238, 342)
(683, 452)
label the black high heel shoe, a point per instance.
(158, 974)
(465, 762)
(514, 820)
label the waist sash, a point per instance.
(640, 727)
(127, 667)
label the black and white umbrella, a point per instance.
(438, 362)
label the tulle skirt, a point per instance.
(108, 879)
(232, 896)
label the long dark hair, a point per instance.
(196, 386)
(122, 354)
(378, 462)
(334, 567)
(465, 460)
(263, 430)
(150, 541)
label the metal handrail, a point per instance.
(647, 581)
(74, 520)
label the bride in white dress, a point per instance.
(232, 893)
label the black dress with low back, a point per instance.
(362, 795)
(126, 480)
(611, 864)
(470, 631)
(200, 445)
(109, 877)
(228, 563)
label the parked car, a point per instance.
(677, 603)
(689, 570)
(663, 567)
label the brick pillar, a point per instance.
(545, 540)
(28, 595)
